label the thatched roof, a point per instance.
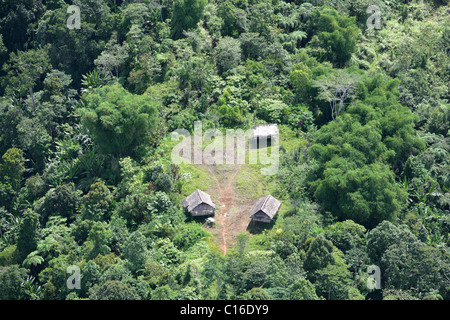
(265, 130)
(196, 198)
(268, 204)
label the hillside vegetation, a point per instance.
(359, 90)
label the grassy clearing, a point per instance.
(249, 183)
(196, 178)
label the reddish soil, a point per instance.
(232, 214)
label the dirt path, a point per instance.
(225, 198)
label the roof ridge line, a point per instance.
(265, 202)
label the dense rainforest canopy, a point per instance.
(360, 92)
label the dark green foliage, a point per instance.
(11, 280)
(114, 290)
(319, 254)
(28, 234)
(336, 37)
(87, 179)
(63, 200)
(186, 15)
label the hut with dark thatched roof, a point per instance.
(198, 203)
(265, 209)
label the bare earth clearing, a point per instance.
(233, 209)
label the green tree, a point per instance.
(366, 195)
(336, 37)
(10, 117)
(63, 200)
(114, 290)
(135, 250)
(334, 282)
(228, 54)
(12, 167)
(98, 240)
(336, 88)
(255, 275)
(319, 254)
(186, 15)
(23, 70)
(112, 57)
(34, 139)
(256, 294)
(28, 234)
(15, 20)
(98, 203)
(303, 289)
(234, 19)
(11, 280)
(346, 235)
(74, 51)
(118, 120)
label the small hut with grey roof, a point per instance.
(198, 203)
(265, 209)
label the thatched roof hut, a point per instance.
(198, 203)
(265, 209)
(266, 131)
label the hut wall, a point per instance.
(261, 216)
(202, 209)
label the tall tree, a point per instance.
(28, 234)
(23, 70)
(336, 37)
(186, 15)
(118, 120)
(337, 88)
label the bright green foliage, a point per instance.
(118, 120)
(303, 289)
(346, 235)
(256, 294)
(189, 235)
(135, 250)
(355, 151)
(367, 195)
(97, 204)
(272, 111)
(12, 167)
